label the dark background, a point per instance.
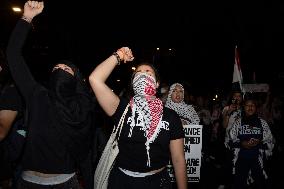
(202, 36)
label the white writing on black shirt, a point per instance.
(246, 130)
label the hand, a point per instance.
(253, 141)
(184, 122)
(32, 8)
(232, 107)
(246, 144)
(125, 54)
(250, 143)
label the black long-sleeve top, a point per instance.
(44, 151)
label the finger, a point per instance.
(38, 5)
(42, 5)
(35, 4)
(26, 5)
(30, 3)
(124, 50)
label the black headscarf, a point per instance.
(72, 106)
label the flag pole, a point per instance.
(237, 74)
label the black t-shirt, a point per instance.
(132, 149)
(11, 99)
(11, 147)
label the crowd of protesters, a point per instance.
(44, 129)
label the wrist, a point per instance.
(120, 54)
(27, 19)
(117, 57)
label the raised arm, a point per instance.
(19, 70)
(107, 99)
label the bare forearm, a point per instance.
(107, 99)
(103, 70)
(180, 174)
(225, 121)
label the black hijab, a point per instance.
(72, 106)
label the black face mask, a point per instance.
(62, 84)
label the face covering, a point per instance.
(62, 84)
(144, 85)
(70, 108)
(145, 104)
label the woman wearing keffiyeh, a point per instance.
(252, 142)
(150, 133)
(175, 101)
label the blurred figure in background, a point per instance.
(175, 101)
(252, 142)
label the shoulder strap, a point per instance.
(121, 122)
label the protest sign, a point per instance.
(192, 151)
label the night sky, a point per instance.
(201, 35)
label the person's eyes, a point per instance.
(149, 72)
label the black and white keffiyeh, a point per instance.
(185, 111)
(148, 107)
(267, 140)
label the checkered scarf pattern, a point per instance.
(184, 110)
(146, 103)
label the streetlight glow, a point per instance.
(16, 9)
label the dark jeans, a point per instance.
(72, 183)
(119, 180)
(243, 165)
(226, 176)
